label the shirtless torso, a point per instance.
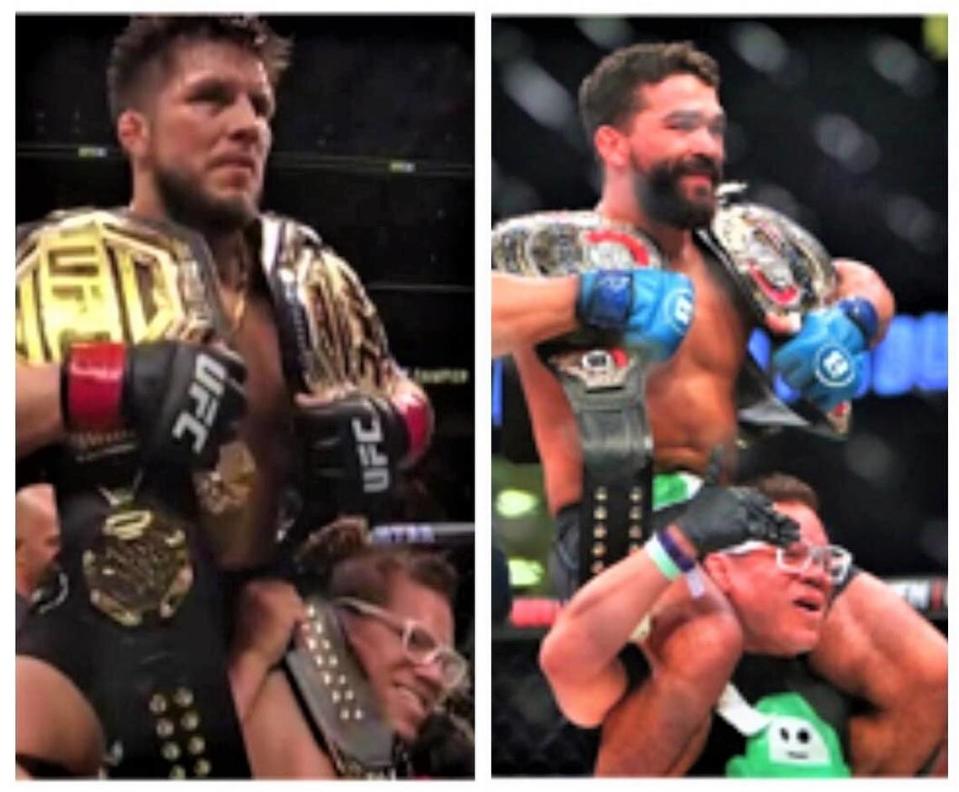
(689, 397)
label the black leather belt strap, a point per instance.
(606, 392)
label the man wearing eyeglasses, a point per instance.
(372, 661)
(794, 705)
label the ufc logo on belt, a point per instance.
(206, 391)
(375, 464)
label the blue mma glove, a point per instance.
(825, 360)
(653, 308)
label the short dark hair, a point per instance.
(609, 94)
(367, 574)
(150, 40)
(783, 488)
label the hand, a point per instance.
(268, 612)
(182, 400)
(826, 359)
(351, 449)
(720, 517)
(653, 308)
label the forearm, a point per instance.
(859, 280)
(599, 620)
(248, 672)
(39, 421)
(886, 743)
(527, 311)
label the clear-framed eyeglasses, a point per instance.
(419, 644)
(798, 557)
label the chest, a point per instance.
(256, 339)
(719, 332)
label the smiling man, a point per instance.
(182, 363)
(372, 662)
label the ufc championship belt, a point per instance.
(94, 275)
(342, 707)
(782, 272)
(604, 383)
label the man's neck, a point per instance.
(671, 240)
(226, 247)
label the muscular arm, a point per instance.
(860, 280)
(876, 647)
(39, 422)
(660, 727)
(529, 310)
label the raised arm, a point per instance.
(529, 310)
(876, 647)
(579, 655)
(860, 280)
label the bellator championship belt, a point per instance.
(605, 384)
(782, 272)
(93, 275)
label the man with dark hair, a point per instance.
(182, 363)
(633, 357)
(383, 626)
(787, 707)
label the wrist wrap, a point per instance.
(91, 387)
(660, 557)
(861, 313)
(683, 561)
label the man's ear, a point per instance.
(612, 146)
(717, 567)
(133, 132)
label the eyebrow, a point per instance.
(697, 116)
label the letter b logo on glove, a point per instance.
(833, 367)
(679, 310)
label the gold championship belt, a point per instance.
(783, 272)
(94, 275)
(331, 336)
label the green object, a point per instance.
(671, 488)
(524, 573)
(797, 743)
(935, 30)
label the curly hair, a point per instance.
(149, 42)
(609, 95)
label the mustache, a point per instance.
(699, 165)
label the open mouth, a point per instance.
(811, 604)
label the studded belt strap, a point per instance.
(338, 698)
(605, 389)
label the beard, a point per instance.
(187, 204)
(660, 195)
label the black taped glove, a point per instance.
(720, 517)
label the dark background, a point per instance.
(373, 147)
(841, 124)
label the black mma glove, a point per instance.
(352, 449)
(182, 400)
(720, 517)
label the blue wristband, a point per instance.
(861, 313)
